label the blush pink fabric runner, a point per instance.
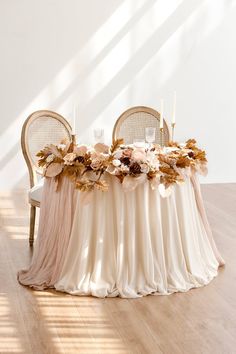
(56, 218)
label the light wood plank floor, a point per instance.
(200, 321)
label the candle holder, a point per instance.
(73, 139)
(162, 136)
(172, 131)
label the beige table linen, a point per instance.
(131, 244)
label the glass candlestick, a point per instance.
(162, 136)
(172, 131)
(73, 138)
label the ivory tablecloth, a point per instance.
(126, 244)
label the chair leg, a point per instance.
(32, 224)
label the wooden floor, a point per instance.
(202, 321)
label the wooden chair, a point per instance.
(40, 128)
(132, 123)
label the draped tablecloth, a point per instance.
(126, 244)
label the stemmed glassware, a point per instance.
(150, 134)
(98, 134)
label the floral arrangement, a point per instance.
(162, 166)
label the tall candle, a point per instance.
(174, 109)
(161, 114)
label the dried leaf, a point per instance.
(200, 155)
(102, 148)
(183, 162)
(54, 169)
(173, 144)
(190, 142)
(85, 185)
(55, 151)
(42, 162)
(168, 170)
(168, 160)
(101, 185)
(71, 147)
(116, 144)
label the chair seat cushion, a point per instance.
(35, 193)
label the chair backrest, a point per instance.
(132, 123)
(41, 128)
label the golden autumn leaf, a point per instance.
(85, 185)
(173, 144)
(151, 174)
(191, 142)
(40, 154)
(101, 185)
(73, 171)
(71, 147)
(116, 144)
(183, 162)
(121, 177)
(200, 155)
(42, 162)
(168, 171)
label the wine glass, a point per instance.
(150, 133)
(98, 135)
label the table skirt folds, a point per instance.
(131, 244)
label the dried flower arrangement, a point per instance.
(131, 165)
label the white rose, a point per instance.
(144, 168)
(118, 154)
(116, 163)
(124, 168)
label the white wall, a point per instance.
(108, 55)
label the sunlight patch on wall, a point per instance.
(55, 88)
(102, 38)
(213, 13)
(123, 51)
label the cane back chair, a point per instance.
(40, 128)
(132, 123)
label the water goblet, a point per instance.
(98, 134)
(150, 134)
